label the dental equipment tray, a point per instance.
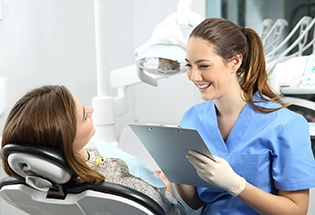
(168, 146)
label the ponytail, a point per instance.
(255, 74)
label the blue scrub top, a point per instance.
(271, 151)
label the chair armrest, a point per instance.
(116, 189)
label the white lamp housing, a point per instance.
(164, 53)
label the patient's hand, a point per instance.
(168, 184)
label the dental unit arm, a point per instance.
(162, 55)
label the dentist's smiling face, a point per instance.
(207, 70)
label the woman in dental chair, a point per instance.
(52, 116)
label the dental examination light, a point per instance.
(162, 55)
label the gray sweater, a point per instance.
(116, 170)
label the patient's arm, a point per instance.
(189, 194)
(168, 184)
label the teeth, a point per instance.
(202, 86)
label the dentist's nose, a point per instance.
(194, 75)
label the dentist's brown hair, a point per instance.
(228, 40)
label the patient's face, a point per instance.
(85, 128)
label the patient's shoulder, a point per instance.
(116, 171)
(114, 168)
(111, 167)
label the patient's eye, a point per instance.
(84, 114)
(87, 111)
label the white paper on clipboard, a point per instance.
(168, 146)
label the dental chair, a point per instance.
(47, 188)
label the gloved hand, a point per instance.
(217, 173)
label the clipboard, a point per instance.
(168, 146)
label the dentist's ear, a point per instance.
(236, 62)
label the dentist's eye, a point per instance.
(204, 66)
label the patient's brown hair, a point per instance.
(47, 116)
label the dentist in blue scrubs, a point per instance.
(263, 161)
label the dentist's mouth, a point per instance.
(203, 86)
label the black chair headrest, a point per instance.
(38, 165)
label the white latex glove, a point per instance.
(217, 173)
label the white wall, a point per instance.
(47, 42)
(52, 42)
